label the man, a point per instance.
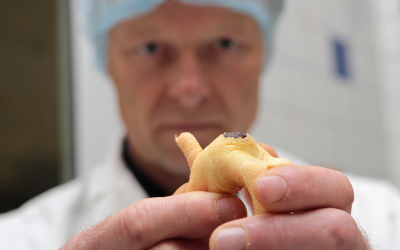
(191, 66)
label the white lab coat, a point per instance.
(51, 219)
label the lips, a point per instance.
(205, 131)
(189, 126)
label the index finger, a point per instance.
(292, 188)
(150, 221)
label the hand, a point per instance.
(183, 221)
(310, 209)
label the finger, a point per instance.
(269, 149)
(150, 221)
(328, 229)
(292, 188)
(181, 189)
(183, 244)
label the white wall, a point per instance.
(96, 117)
(351, 123)
(312, 111)
(387, 36)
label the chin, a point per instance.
(174, 162)
(171, 157)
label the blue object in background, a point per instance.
(341, 59)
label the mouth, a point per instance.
(188, 127)
(204, 131)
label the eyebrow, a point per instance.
(233, 23)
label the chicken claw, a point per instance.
(232, 161)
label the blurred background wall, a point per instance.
(96, 115)
(332, 95)
(29, 142)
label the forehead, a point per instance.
(174, 17)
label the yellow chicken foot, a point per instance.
(232, 161)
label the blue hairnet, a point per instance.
(103, 15)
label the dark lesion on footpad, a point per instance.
(235, 135)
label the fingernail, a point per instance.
(228, 209)
(232, 238)
(272, 188)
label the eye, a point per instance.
(150, 49)
(221, 48)
(226, 44)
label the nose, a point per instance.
(189, 88)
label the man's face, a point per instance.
(184, 68)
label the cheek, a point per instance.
(127, 87)
(238, 88)
(137, 96)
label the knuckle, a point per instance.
(342, 230)
(131, 225)
(313, 177)
(309, 186)
(187, 211)
(191, 210)
(310, 177)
